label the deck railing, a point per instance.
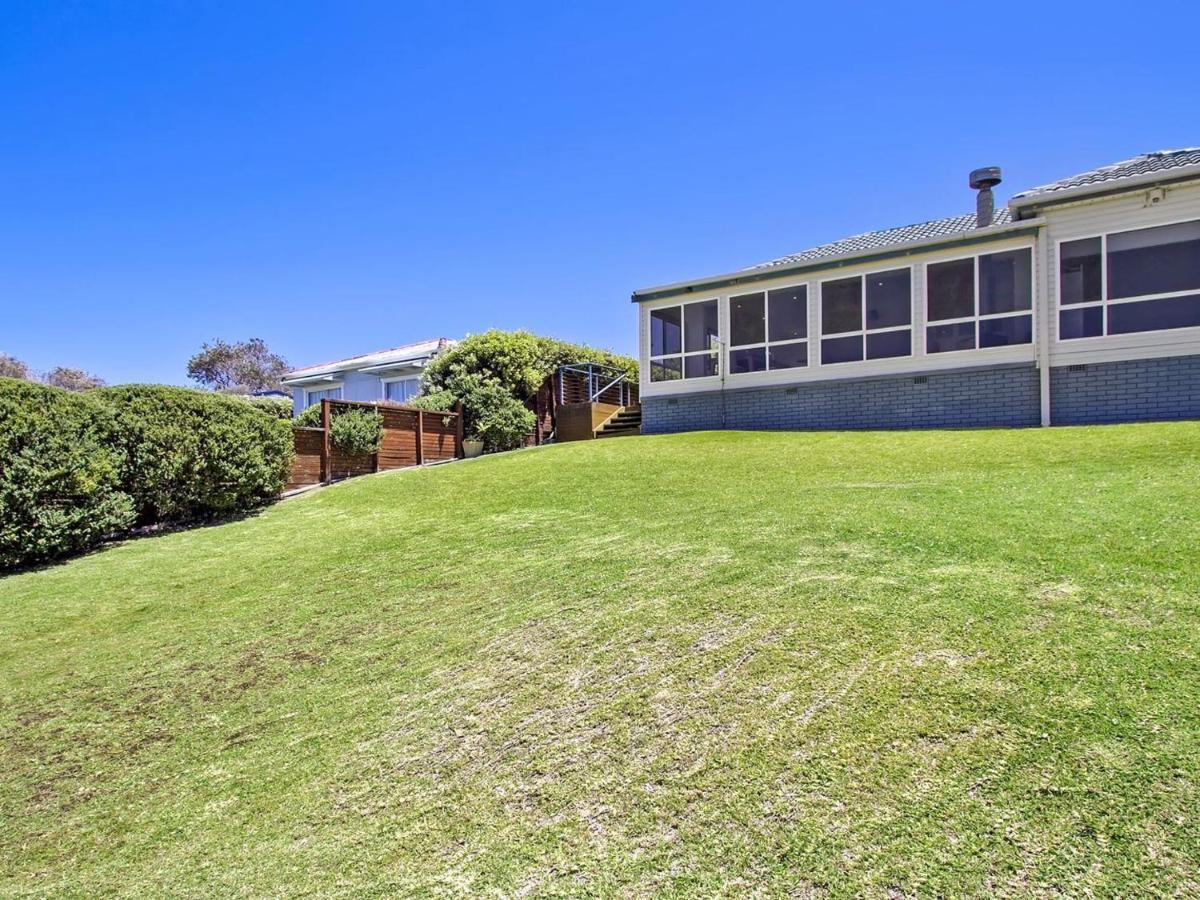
(595, 383)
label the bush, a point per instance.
(277, 407)
(492, 415)
(357, 431)
(517, 360)
(59, 478)
(310, 417)
(187, 454)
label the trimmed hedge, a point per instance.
(187, 454)
(59, 474)
(357, 431)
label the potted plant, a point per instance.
(472, 447)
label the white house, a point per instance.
(1079, 302)
(392, 376)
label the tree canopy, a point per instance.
(246, 366)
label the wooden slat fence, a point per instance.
(411, 437)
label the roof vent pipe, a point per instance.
(983, 180)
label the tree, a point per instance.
(72, 379)
(246, 366)
(11, 367)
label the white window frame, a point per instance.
(767, 344)
(1104, 301)
(683, 354)
(862, 313)
(977, 318)
(384, 382)
(332, 386)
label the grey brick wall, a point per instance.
(971, 398)
(1128, 391)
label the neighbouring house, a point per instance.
(392, 376)
(1077, 303)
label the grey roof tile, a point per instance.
(1145, 164)
(876, 240)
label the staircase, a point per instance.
(627, 421)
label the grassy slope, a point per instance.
(854, 663)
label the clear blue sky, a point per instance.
(341, 177)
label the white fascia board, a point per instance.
(1105, 188)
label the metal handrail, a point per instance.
(590, 370)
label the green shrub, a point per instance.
(279, 407)
(440, 400)
(492, 415)
(59, 480)
(187, 454)
(310, 417)
(517, 360)
(356, 431)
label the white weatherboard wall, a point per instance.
(1090, 218)
(919, 362)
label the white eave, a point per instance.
(1115, 186)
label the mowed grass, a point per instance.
(726, 664)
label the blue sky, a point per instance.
(338, 178)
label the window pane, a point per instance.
(401, 391)
(1005, 282)
(1006, 331)
(330, 394)
(1079, 272)
(951, 289)
(699, 325)
(843, 349)
(889, 299)
(789, 313)
(942, 338)
(669, 369)
(1078, 323)
(700, 365)
(1154, 315)
(748, 360)
(885, 344)
(665, 333)
(1154, 260)
(841, 306)
(747, 324)
(789, 356)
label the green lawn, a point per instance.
(945, 663)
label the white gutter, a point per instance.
(1115, 186)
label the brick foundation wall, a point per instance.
(1127, 391)
(1000, 396)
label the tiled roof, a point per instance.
(1146, 164)
(378, 358)
(876, 240)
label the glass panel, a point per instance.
(889, 299)
(700, 365)
(841, 306)
(951, 289)
(1154, 315)
(670, 369)
(1005, 282)
(330, 394)
(843, 349)
(1154, 261)
(747, 322)
(1006, 331)
(789, 313)
(748, 360)
(885, 344)
(1079, 272)
(942, 338)
(789, 356)
(1078, 323)
(401, 391)
(665, 332)
(699, 325)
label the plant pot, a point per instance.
(472, 449)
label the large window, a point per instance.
(978, 302)
(401, 390)
(681, 341)
(1130, 281)
(768, 330)
(311, 397)
(866, 317)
